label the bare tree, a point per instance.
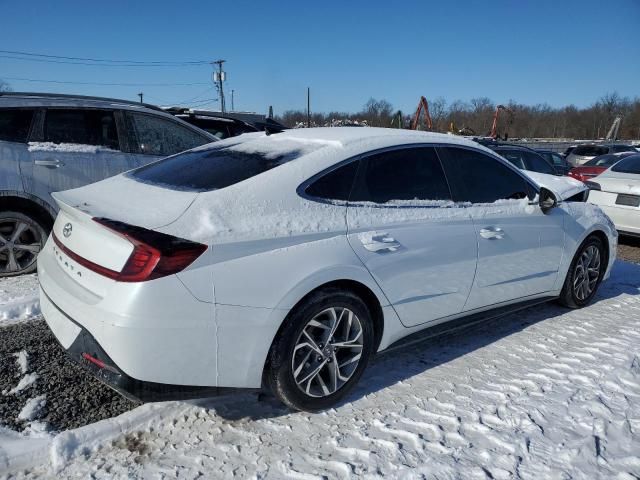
(4, 86)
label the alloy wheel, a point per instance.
(327, 352)
(586, 273)
(20, 243)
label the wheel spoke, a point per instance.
(20, 227)
(302, 364)
(310, 376)
(33, 247)
(12, 263)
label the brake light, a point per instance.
(154, 255)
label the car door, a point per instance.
(74, 147)
(406, 230)
(155, 136)
(519, 246)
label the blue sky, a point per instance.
(556, 52)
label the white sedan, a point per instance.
(617, 192)
(287, 261)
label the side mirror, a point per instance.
(547, 200)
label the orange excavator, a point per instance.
(494, 128)
(423, 105)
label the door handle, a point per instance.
(50, 163)
(378, 242)
(492, 233)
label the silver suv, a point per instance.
(54, 142)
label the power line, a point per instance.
(111, 62)
(107, 84)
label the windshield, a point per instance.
(629, 164)
(218, 167)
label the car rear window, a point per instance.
(590, 150)
(629, 164)
(220, 166)
(15, 124)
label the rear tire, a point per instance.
(585, 274)
(21, 239)
(330, 333)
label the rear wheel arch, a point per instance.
(357, 288)
(30, 206)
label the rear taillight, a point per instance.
(154, 254)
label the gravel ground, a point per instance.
(73, 397)
(629, 249)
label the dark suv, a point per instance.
(51, 142)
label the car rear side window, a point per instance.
(85, 127)
(514, 157)
(405, 175)
(479, 178)
(160, 136)
(15, 124)
(335, 185)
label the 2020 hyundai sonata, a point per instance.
(287, 261)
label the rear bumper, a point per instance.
(88, 353)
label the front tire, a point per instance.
(322, 350)
(585, 274)
(21, 239)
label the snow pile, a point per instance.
(67, 147)
(19, 299)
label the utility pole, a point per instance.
(308, 107)
(233, 109)
(218, 78)
(141, 95)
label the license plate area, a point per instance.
(628, 200)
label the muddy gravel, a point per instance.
(629, 249)
(73, 397)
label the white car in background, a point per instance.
(287, 261)
(617, 192)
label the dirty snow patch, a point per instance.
(19, 299)
(32, 408)
(24, 382)
(22, 358)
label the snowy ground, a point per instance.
(545, 393)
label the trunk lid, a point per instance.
(118, 198)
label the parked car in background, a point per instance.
(371, 235)
(227, 125)
(617, 192)
(557, 160)
(51, 142)
(597, 165)
(523, 157)
(583, 153)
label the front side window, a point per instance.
(159, 136)
(514, 157)
(478, 178)
(413, 174)
(335, 185)
(538, 164)
(83, 127)
(15, 124)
